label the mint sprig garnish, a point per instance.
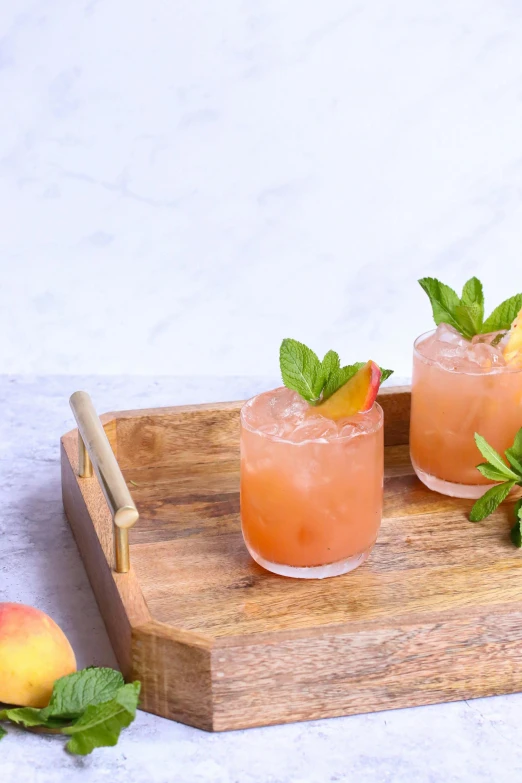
(301, 369)
(496, 469)
(514, 454)
(91, 706)
(490, 501)
(493, 461)
(503, 316)
(516, 530)
(315, 380)
(444, 301)
(466, 313)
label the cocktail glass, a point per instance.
(460, 387)
(311, 488)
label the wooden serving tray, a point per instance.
(434, 615)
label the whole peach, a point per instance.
(34, 653)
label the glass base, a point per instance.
(313, 572)
(469, 491)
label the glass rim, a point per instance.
(505, 370)
(319, 441)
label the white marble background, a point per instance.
(184, 183)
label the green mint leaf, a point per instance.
(339, 377)
(487, 504)
(23, 716)
(514, 461)
(385, 374)
(443, 299)
(301, 370)
(3, 733)
(98, 702)
(473, 296)
(516, 530)
(517, 445)
(503, 316)
(494, 474)
(469, 318)
(330, 364)
(516, 533)
(470, 312)
(74, 693)
(514, 454)
(493, 457)
(495, 341)
(101, 724)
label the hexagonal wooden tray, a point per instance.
(219, 643)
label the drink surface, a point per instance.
(451, 351)
(311, 488)
(460, 387)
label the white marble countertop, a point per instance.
(40, 565)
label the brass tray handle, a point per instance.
(95, 452)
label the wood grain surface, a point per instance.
(434, 615)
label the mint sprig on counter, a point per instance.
(466, 313)
(91, 706)
(496, 469)
(315, 380)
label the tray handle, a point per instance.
(95, 452)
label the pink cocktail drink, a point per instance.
(461, 387)
(311, 488)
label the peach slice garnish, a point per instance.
(356, 396)
(513, 348)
